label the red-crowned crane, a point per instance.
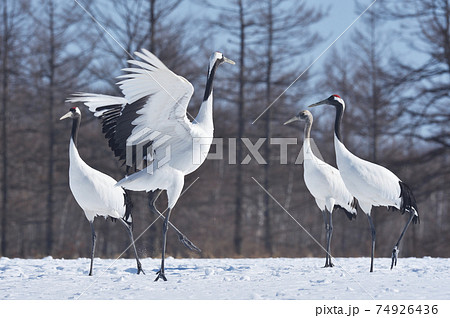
(324, 182)
(369, 183)
(95, 192)
(151, 116)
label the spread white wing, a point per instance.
(150, 116)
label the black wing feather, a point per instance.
(408, 201)
(117, 127)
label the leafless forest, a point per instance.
(393, 72)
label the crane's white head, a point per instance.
(333, 100)
(74, 112)
(304, 115)
(216, 59)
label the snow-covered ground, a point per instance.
(267, 278)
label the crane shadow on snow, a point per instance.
(133, 270)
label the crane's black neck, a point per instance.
(338, 120)
(209, 81)
(75, 127)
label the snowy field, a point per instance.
(219, 279)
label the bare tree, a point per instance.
(133, 25)
(268, 239)
(236, 20)
(159, 10)
(61, 60)
(424, 79)
(5, 83)
(429, 41)
(12, 31)
(280, 22)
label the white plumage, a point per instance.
(149, 123)
(95, 192)
(369, 183)
(381, 186)
(324, 182)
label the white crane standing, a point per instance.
(369, 183)
(151, 117)
(324, 182)
(95, 192)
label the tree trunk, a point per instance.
(51, 133)
(153, 231)
(152, 26)
(5, 79)
(241, 102)
(375, 99)
(268, 244)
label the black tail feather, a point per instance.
(349, 215)
(408, 202)
(354, 204)
(128, 207)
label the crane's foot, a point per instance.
(140, 270)
(329, 265)
(160, 274)
(187, 243)
(394, 256)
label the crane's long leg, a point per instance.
(372, 228)
(160, 273)
(181, 237)
(94, 238)
(330, 233)
(396, 250)
(130, 234)
(325, 221)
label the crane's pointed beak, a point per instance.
(68, 115)
(323, 102)
(295, 118)
(227, 60)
